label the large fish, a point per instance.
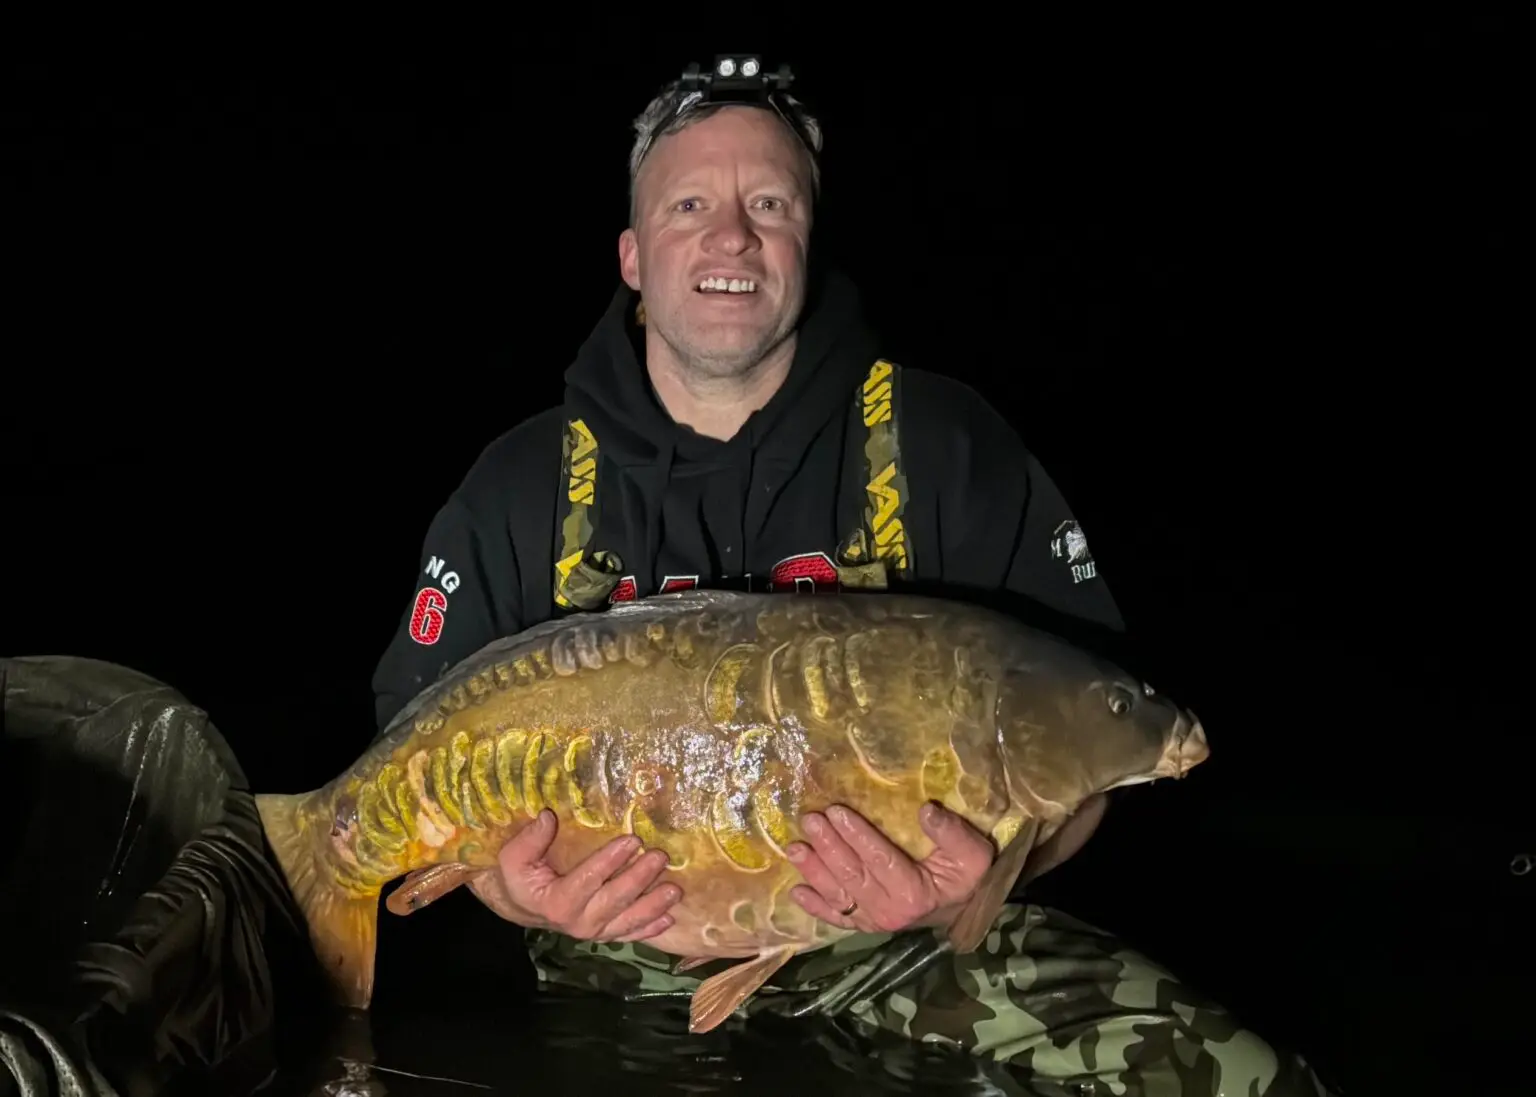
(707, 723)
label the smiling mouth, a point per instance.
(728, 286)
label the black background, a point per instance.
(1242, 287)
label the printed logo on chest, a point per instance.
(806, 572)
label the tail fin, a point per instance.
(343, 929)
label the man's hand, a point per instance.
(599, 900)
(849, 863)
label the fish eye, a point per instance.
(1120, 701)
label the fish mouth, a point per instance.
(1187, 747)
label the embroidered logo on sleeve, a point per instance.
(1070, 546)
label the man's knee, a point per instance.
(1140, 1055)
(1055, 998)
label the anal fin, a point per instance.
(970, 926)
(718, 996)
(427, 885)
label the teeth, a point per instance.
(722, 285)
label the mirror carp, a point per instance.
(707, 723)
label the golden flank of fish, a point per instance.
(707, 723)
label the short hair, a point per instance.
(675, 109)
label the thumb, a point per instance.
(528, 846)
(938, 822)
(955, 838)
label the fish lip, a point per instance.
(1186, 747)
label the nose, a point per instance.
(731, 231)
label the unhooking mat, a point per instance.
(141, 923)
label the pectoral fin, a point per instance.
(718, 996)
(970, 926)
(690, 962)
(427, 885)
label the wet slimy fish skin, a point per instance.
(708, 723)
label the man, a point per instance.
(730, 422)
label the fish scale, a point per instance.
(707, 724)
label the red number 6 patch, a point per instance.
(427, 615)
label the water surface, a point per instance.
(560, 1041)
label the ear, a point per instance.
(629, 259)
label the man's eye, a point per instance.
(687, 205)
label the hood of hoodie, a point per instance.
(607, 386)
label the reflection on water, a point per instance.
(592, 1044)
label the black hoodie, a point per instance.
(982, 518)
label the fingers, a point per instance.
(837, 879)
(583, 881)
(817, 907)
(817, 873)
(955, 838)
(962, 854)
(528, 846)
(889, 866)
(604, 897)
(618, 906)
(655, 928)
(856, 865)
(845, 860)
(841, 859)
(637, 914)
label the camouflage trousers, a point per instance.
(1065, 1007)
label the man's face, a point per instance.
(727, 197)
